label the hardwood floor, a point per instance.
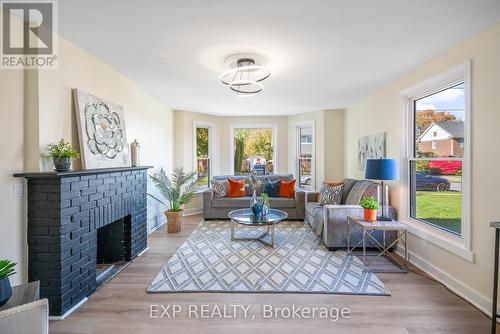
(417, 305)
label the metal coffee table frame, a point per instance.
(246, 218)
(367, 229)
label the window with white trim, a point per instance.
(202, 155)
(437, 142)
(305, 156)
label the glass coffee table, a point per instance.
(246, 217)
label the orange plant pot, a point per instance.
(370, 215)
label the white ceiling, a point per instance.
(323, 54)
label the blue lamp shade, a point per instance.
(381, 169)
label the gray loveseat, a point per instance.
(218, 208)
(330, 221)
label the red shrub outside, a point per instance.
(445, 167)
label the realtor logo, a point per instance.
(28, 34)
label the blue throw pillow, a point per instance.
(272, 188)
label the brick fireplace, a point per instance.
(65, 212)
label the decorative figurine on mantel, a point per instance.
(135, 153)
(61, 154)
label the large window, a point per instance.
(253, 151)
(202, 159)
(437, 156)
(305, 157)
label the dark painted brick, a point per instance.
(88, 191)
(96, 196)
(63, 215)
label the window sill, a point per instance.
(199, 191)
(447, 241)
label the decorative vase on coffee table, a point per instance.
(255, 206)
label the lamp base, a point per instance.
(384, 219)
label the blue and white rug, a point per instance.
(209, 261)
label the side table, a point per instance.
(23, 294)
(367, 229)
(494, 314)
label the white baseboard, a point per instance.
(464, 291)
(157, 227)
(144, 251)
(192, 211)
(68, 312)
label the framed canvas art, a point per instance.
(101, 131)
(370, 147)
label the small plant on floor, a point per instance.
(178, 190)
(371, 206)
(62, 153)
(6, 270)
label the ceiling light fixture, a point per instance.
(245, 75)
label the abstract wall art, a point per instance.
(101, 129)
(370, 147)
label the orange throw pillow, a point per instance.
(236, 188)
(333, 184)
(287, 189)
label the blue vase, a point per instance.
(5, 290)
(257, 210)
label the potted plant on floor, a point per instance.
(177, 191)
(370, 207)
(61, 154)
(6, 270)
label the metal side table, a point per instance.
(367, 229)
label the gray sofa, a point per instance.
(330, 221)
(218, 208)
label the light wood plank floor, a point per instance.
(417, 305)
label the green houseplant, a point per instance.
(61, 154)
(6, 270)
(264, 200)
(370, 207)
(178, 190)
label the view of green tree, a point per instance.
(259, 143)
(202, 142)
(251, 143)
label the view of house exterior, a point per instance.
(442, 139)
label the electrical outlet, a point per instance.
(18, 189)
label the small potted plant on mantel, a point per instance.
(6, 270)
(370, 207)
(61, 154)
(178, 191)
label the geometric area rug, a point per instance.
(208, 261)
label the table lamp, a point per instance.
(382, 170)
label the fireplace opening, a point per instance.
(110, 257)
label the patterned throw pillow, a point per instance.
(271, 188)
(220, 188)
(330, 195)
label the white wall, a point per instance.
(12, 224)
(38, 109)
(382, 112)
